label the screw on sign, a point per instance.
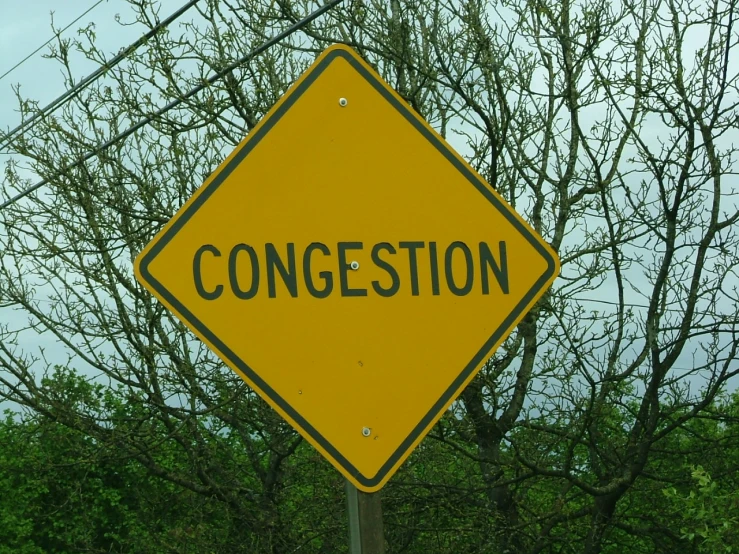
(350, 266)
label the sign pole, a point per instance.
(365, 521)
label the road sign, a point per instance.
(350, 266)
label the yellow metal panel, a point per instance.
(342, 170)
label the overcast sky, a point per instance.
(24, 26)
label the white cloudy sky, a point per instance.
(24, 26)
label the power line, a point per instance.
(209, 81)
(74, 91)
(16, 66)
(626, 304)
(613, 303)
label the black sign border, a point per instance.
(252, 375)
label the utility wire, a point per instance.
(174, 103)
(24, 60)
(625, 304)
(74, 91)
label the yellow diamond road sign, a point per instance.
(350, 266)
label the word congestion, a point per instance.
(478, 263)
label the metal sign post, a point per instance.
(365, 521)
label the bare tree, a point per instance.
(610, 127)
